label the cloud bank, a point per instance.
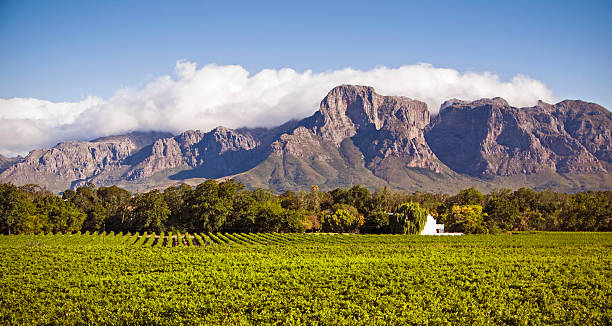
(206, 97)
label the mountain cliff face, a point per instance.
(6, 162)
(488, 137)
(219, 152)
(588, 123)
(356, 137)
(74, 163)
(380, 126)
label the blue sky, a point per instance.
(75, 70)
(65, 50)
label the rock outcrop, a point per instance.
(588, 123)
(220, 152)
(77, 161)
(6, 162)
(488, 137)
(356, 136)
(380, 126)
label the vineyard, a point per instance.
(302, 278)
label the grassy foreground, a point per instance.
(285, 279)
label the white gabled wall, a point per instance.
(430, 226)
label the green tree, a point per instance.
(341, 220)
(466, 219)
(116, 202)
(15, 209)
(289, 200)
(469, 196)
(376, 222)
(380, 201)
(589, 211)
(428, 201)
(210, 204)
(501, 212)
(149, 213)
(409, 218)
(526, 202)
(175, 199)
(34, 191)
(86, 200)
(57, 215)
(270, 216)
(96, 216)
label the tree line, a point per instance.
(228, 206)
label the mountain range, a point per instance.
(356, 137)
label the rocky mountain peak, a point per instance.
(490, 137)
(6, 162)
(588, 123)
(211, 151)
(78, 162)
(221, 140)
(140, 139)
(490, 103)
(356, 136)
(348, 108)
(345, 109)
(382, 127)
(189, 137)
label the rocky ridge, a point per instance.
(380, 126)
(6, 162)
(488, 137)
(356, 136)
(76, 162)
(222, 150)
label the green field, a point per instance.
(288, 279)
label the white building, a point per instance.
(432, 228)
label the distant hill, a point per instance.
(356, 137)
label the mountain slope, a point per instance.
(589, 123)
(356, 137)
(71, 164)
(6, 162)
(488, 137)
(380, 126)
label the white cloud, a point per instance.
(228, 95)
